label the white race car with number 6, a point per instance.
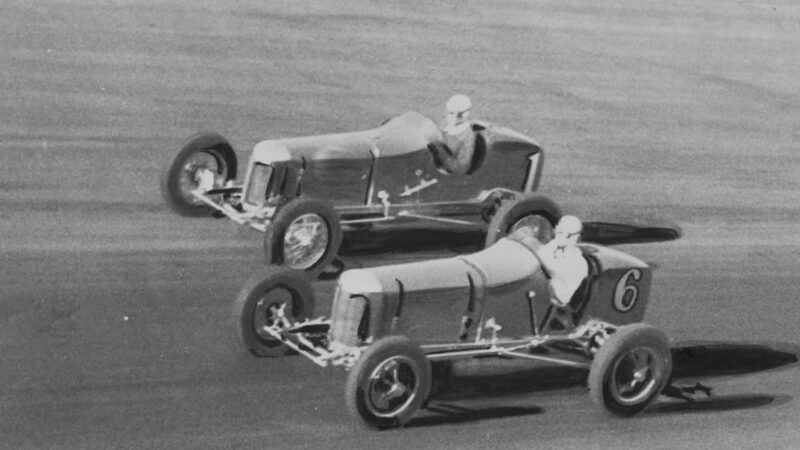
(496, 302)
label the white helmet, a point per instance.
(569, 225)
(457, 114)
(459, 104)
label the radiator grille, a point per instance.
(258, 186)
(350, 321)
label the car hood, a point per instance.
(506, 262)
(408, 132)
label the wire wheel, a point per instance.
(275, 299)
(388, 383)
(633, 376)
(304, 236)
(204, 167)
(392, 386)
(305, 241)
(273, 309)
(534, 212)
(206, 161)
(630, 369)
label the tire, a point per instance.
(201, 151)
(615, 362)
(534, 210)
(391, 365)
(256, 304)
(283, 239)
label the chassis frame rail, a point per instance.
(324, 352)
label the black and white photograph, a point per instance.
(379, 224)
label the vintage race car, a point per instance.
(301, 191)
(388, 324)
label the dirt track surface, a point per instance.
(115, 315)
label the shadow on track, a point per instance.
(714, 359)
(446, 413)
(493, 378)
(719, 403)
(612, 233)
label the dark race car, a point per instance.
(494, 303)
(301, 191)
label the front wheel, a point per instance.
(388, 383)
(205, 161)
(277, 300)
(304, 235)
(533, 211)
(630, 370)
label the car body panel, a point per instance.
(394, 163)
(339, 180)
(621, 289)
(440, 288)
(504, 283)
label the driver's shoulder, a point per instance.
(479, 125)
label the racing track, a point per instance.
(115, 320)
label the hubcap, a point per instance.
(305, 241)
(635, 375)
(274, 310)
(392, 386)
(198, 170)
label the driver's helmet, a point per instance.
(458, 108)
(568, 229)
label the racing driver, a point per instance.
(563, 260)
(457, 136)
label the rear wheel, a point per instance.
(630, 370)
(534, 211)
(389, 382)
(206, 161)
(276, 299)
(304, 235)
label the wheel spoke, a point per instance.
(633, 375)
(642, 360)
(390, 371)
(204, 169)
(392, 379)
(391, 387)
(305, 241)
(273, 310)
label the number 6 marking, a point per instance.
(627, 292)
